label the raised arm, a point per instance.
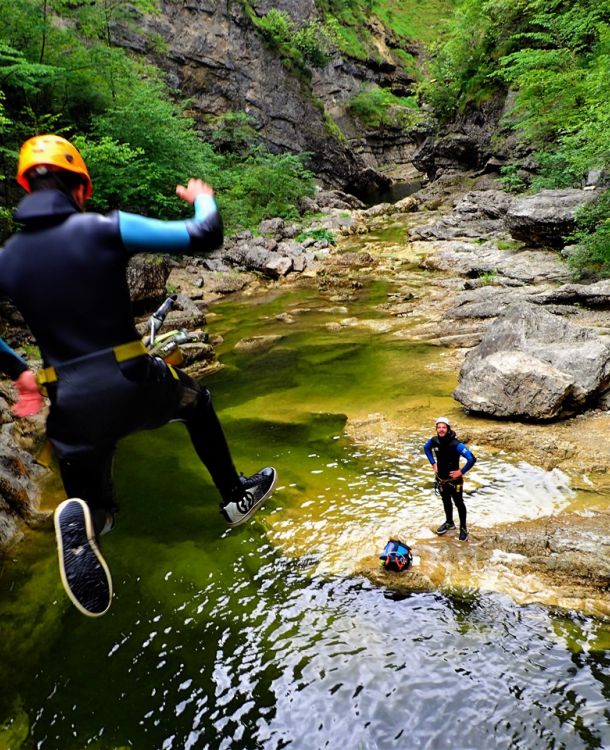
(194, 236)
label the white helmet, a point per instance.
(441, 420)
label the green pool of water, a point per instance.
(261, 637)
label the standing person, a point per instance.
(66, 273)
(444, 451)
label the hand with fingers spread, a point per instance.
(193, 190)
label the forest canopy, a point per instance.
(553, 57)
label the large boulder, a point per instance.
(534, 365)
(545, 219)
(146, 277)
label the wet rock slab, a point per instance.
(560, 561)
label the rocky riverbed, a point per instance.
(457, 262)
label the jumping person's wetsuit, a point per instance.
(66, 273)
(445, 452)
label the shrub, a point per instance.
(376, 106)
(511, 180)
(317, 235)
(263, 186)
(592, 236)
(276, 26)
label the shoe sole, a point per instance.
(84, 573)
(255, 507)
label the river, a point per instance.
(267, 636)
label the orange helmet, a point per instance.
(51, 151)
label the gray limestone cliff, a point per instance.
(214, 54)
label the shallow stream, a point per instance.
(264, 637)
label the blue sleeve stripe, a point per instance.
(141, 234)
(463, 450)
(428, 452)
(4, 347)
(205, 206)
(10, 362)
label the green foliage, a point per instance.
(315, 42)
(583, 131)
(317, 235)
(118, 173)
(263, 186)
(233, 133)
(509, 244)
(555, 56)
(463, 67)
(163, 149)
(592, 236)
(489, 278)
(410, 63)
(354, 24)
(414, 19)
(376, 106)
(309, 46)
(348, 37)
(333, 129)
(276, 26)
(511, 179)
(562, 78)
(20, 74)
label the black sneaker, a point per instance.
(84, 573)
(463, 534)
(447, 526)
(250, 496)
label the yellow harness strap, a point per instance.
(131, 349)
(122, 353)
(48, 375)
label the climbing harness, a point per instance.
(440, 483)
(121, 353)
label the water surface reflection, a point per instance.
(263, 637)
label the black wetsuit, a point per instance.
(445, 452)
(66, 273)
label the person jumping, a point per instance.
(65, 270)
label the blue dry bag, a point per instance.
(396, 556)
